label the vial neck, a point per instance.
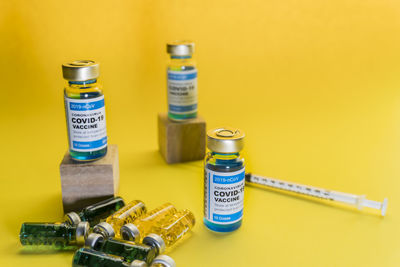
(225, 156)
(181, 57)
(83, 84)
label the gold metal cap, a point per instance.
(81, 70)
(180, 48)
(225, 140)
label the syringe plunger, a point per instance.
(355, 200)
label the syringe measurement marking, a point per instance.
(292, 187)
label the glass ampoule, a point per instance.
(127, 214)
(84, 110)
(86, 257)
(165, 236)
(53, 235)
(143, 225)
(128, 250)
(224, 180)
(96, 212)
(182, 81)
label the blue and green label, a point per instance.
(224, 193)
(86, 120)
(182, 91)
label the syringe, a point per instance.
(355, 200)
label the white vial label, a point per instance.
(224, 192)
(182, 91)
(86, 120)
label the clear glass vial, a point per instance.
(96, 212)
(224, 180)
(165, 236)
(84, 110)
(55, 235)
(128, 214)
(86, 257)
(182, 81)
(144, 224)
(126, 249)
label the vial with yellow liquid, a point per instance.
(84, 110)
(143, 225)
(127, 214)
(171, 231)
(182, 81)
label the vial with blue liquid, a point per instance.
(224, 180)
(84, 110)
(182, 81)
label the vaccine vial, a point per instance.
(171, 231)
(128, 214)
(224, 180)
(84, 110)
(143, 225)
(126, 249)
(86, 257)
(96, 212)
(182, 81)
(59, 236)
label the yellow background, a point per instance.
(314, 85)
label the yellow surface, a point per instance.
(314, 84)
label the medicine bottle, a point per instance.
(175, 228)
(127, 214)
(182, 81)
(128, 250)
(84, 110)
(95, 212)
(224, 180)
(60, 236)
(143, 225)
(86, 257)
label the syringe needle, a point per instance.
(355, 200)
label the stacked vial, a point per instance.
(122, 235)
